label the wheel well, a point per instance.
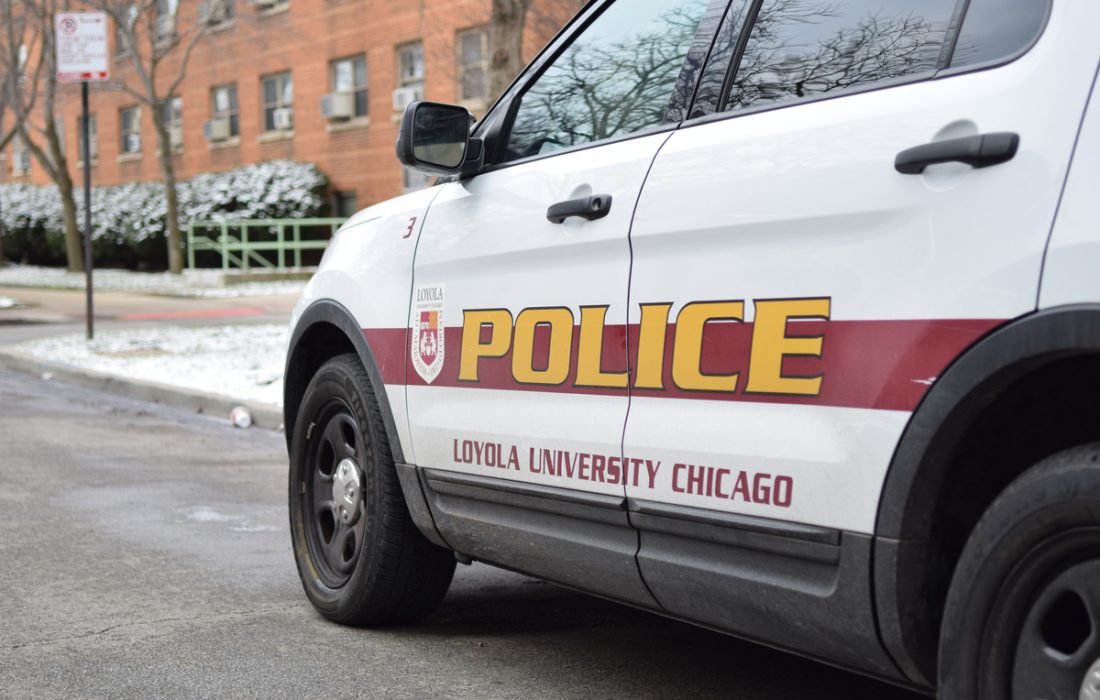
(1048, 410)
(318, 344)
(1003, 427)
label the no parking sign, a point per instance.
(82, 50)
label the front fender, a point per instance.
(363, 284)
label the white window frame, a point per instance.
(354, 88)
(93, 138)
(232, 112)
(412, 79)
(482, 33)
(281, 100)
(124, 133)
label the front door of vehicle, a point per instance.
(517, 390)
(795, 294)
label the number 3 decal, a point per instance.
(412, 222)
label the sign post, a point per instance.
(83, 56)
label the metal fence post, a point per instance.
(246, 250)
(297, 246)
(225, 246)
(281, 252)
(191, 246)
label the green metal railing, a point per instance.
(262, 243)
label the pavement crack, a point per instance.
(143, 623)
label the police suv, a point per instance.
(780, 317)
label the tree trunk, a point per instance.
(3, 257)
(171, 197)
(175, 238)
(74, 251)
(506, 43)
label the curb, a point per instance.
(263, 415)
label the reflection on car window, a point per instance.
(616, 78)
(803, 48)
(995, 29)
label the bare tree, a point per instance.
(18, 87)
(509, 22)
(599, 89)
(776, 66)
(158, 43)
(506, 22)
(49, 153)
(516, 30)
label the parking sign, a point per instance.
(82, 50)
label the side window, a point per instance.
(801, 49)
(994, 29)
(616, 78)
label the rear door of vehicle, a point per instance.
(794, 295)
(518, 382)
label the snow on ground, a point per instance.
(243, 362)
(8, 303)
(192, 283)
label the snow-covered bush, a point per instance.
(128, 220)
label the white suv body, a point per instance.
(773, 384)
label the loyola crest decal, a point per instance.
(427, 332)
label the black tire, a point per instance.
(1022, 618)
(377, 569)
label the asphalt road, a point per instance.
(144, 553)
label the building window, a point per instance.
(262, 5)
(349, 75)
(130, 130)
(345, 203)
(223, 102)
(410, 65)
(166, 19)
(217, 12)
(124, 29)
(414, 180)
(59, 129)
(20, 158)
(21, 69)
(172, 113)
(278, 92)
(129, 120)
(93, 138)
(410, 74)
(473, 65)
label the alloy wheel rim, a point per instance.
(333, 500)
(1059, 643)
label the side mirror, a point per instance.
(435, 138)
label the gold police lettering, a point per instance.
(491, 333)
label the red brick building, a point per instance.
(321, 81)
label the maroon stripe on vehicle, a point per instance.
(864, 364)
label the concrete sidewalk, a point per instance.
(263, 415)
(46, 313)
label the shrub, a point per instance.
(128, 220)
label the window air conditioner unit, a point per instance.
(175, 137)
(213, 12)
(338, 105)
(283, 118)
(166, 26)
(133, 143)
(216, 130)
(403, 97)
